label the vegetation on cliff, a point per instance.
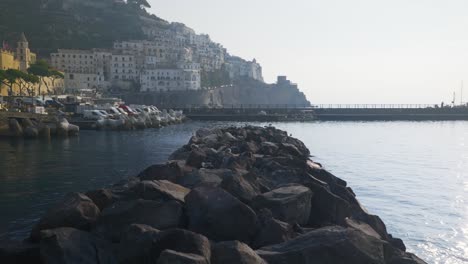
(53, 24)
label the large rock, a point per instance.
(171, 171)
(272, 231)
(328, 208)
(136, 244)
(242, 186)
(327, 245)
(219, 215)
(234, 252)
(290, 204)
(211, 177)
(75, 210)
(196, 158)
(102, 197)
(173, 257)
(161, 190)
(12, 252)
(159, 215)
(182, 241)
(69, 245)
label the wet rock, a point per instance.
(120, 215)
(12, 252)
(102, 198)
(234, 252)
(182, 241)
(161, 190)
(136, 244)
(220, 216)
(69, 245)
(171, 257)
(327, 245)
(171, 171)
(291, 204)
(75, 210)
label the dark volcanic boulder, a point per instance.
(161, 190)
(173, 257)
(328, 208)
(220, 216)
(196, 158)
(102, 198)
(75, 210)
(234, 252)
(116, 218)
(12, 252)
(242, 186)
(327, 245)
(136, 244)
(69, 245)
(272, 231)
(171, 171)
(182, 241)
(212, 177)
(290, 204)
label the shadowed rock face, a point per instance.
(220, 216)
(327, 245)
(120, 215)
(75, 210)
(243, 188)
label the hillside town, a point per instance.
(169, 60)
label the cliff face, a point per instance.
(53, 24)
(245, 93)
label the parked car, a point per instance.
(53, 103)
(94, 115)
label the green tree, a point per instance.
(55, 75)
(42, 70)
(9, 78)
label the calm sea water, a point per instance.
(412, 174)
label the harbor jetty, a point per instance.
(328, 112)
(30, 125)
(231, 195)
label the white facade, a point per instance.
(239, 68)
(84, 69)
(187, 77)
(123, 68)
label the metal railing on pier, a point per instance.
(374, 106)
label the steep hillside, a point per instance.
(52, 24)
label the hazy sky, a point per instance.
(342, 51)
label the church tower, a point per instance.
(23, 54)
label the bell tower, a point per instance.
(23, 54)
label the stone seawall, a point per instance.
(231, 195)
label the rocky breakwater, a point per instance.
(34, 126)
(233, 195)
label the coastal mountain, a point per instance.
(78, 24)
(51, 25)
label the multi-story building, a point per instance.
(239, 68)
(22, 60)
(123, 68)
(84, 69)
(185, 77)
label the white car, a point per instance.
(94, 115)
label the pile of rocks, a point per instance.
(231, 195)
